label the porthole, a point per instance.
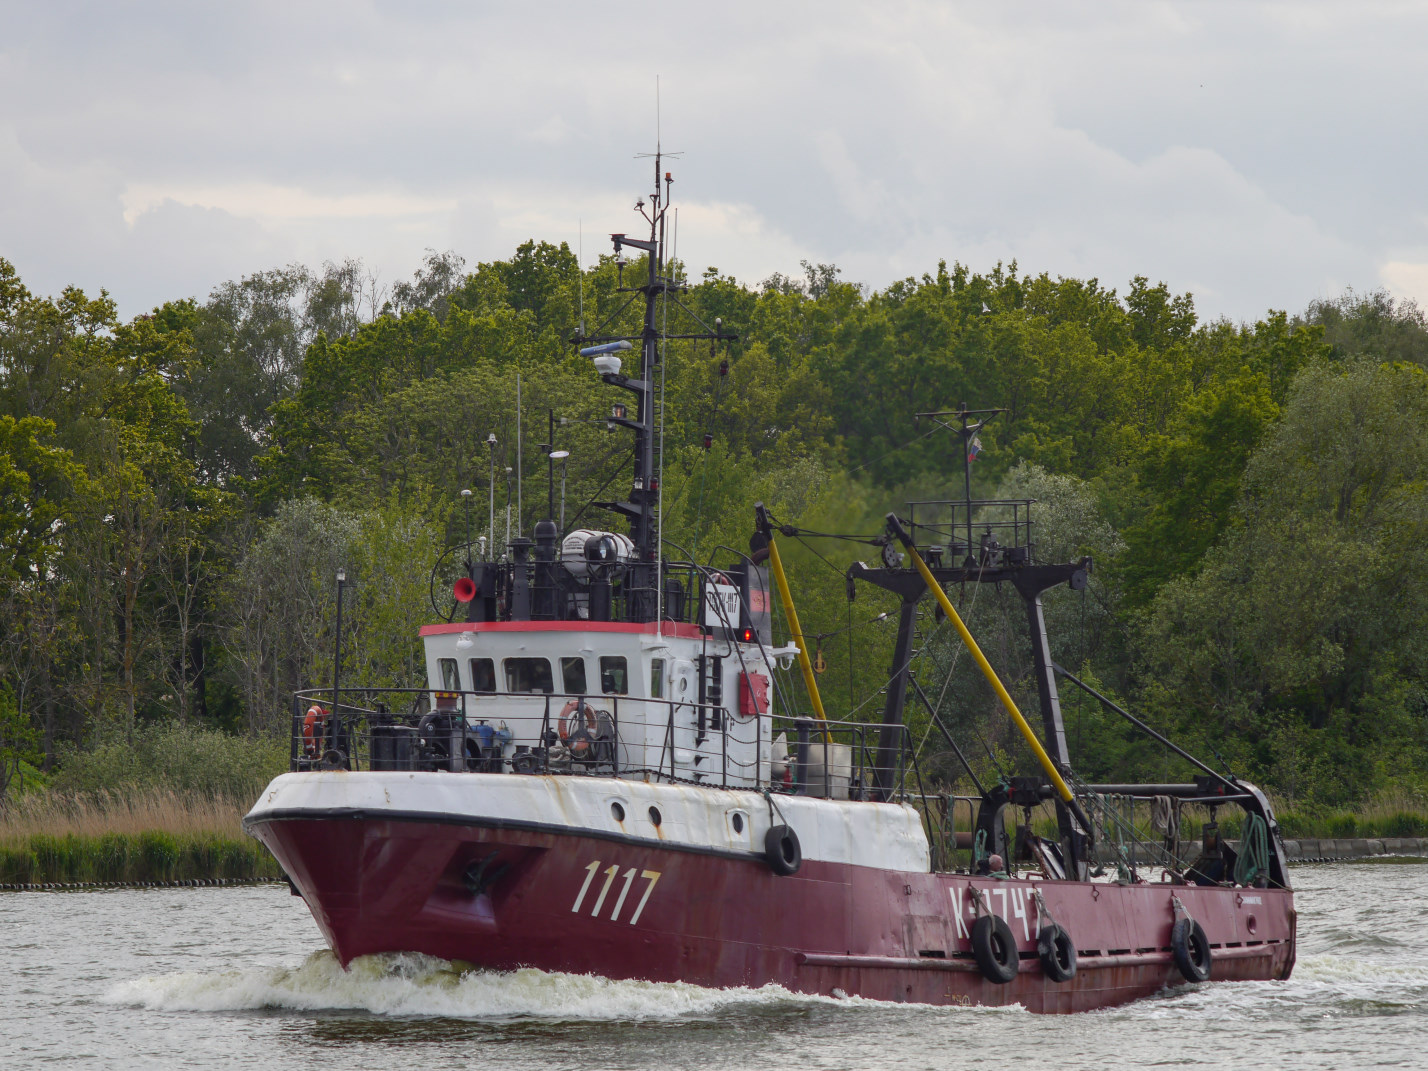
(737, 820)
(617, 811)
(655, 816)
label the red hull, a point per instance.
(588, 904)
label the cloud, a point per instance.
(1406, 280)
(1251, 153)
(282, 204)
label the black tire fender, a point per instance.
(1191, 949)
(782, 850)
(1057, 953)
(994, 949)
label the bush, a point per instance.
(202, 762)
(1343, 826)
(18, 865)
(1294, 826)
(158, 856)
(57, 856)
(1404, 824)
(125, 857)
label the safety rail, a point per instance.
(611, 735)
(544, 588)
(990, 531)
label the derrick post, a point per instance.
(890, 734)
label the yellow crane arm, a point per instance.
(986, 667)
(786, 597)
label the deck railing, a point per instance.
(593, 735)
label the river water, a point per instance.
(238, 977)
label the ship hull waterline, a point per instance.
(586, 902)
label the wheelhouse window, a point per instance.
(572, 676)
(614, 675)
(483, 675)
(450, 675)
(657, 678)
(528, 675)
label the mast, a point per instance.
(642, 589)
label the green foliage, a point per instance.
(177, 493)
(18, 740)
(203, 762)
(132, 858)
(280, 603)
(1299, 640)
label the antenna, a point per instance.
(491, 446)
(520, 510)
(646, 378)
(580, 269)
(968, 433)
(549, 447)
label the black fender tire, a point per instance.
(1057, 953)
(1191, 949)
(994, 949)
(782, 850)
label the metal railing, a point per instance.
(606, 735)
(999, 528)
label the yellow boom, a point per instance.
(986, 667)
(786, 597)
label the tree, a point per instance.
(1299, 644)
(17, 740)
(37, 483)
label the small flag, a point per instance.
(974, 448)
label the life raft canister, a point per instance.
(313, 724)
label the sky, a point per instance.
(1257, 155)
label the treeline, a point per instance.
(177, 493)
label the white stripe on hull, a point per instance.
(883, 835)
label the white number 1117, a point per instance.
(611, 872)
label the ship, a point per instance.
(609, 770)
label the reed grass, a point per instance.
(153, 835)
(1386, 814)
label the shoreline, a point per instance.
(1333, 850)
(144, 859)
(118, 862)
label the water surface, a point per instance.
(238, 977)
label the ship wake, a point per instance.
(408, 984)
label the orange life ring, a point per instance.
(569, 727)
(315, 714)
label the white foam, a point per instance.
(1320, 987)
(1350, 969)
(408, 984)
